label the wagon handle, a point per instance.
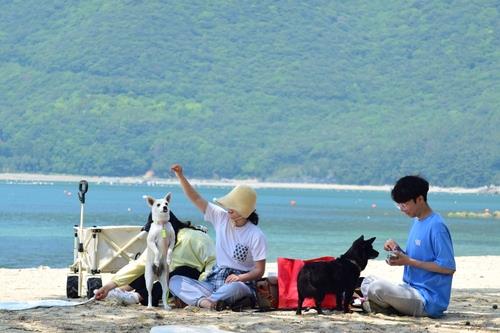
(84, 187)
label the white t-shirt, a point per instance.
(235, 247)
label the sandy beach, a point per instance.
(475, 298)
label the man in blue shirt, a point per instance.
(428, 261)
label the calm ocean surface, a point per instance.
(36, 220)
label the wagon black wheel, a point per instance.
(93, 283)
(72, 286)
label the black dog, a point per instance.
(340, 276)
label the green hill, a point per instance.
(358, 92)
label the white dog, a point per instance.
(160, 243)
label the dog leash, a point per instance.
(19, 305)
(164, 236)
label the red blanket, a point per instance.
(288, 269)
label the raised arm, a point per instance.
(188, 189)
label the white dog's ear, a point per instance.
(149, 200)
(168, 196)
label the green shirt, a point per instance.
(193, 248)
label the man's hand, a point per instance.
(400, 259)
(391, 245)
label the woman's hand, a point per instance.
(177, 169)
(232, 278)
(188, 189)
(101, 293)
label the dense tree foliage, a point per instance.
(355, 92)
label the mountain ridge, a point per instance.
(353, 93)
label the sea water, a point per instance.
(37, 219)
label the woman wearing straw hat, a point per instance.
(240, 249)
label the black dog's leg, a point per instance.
(299, 305)
(338, 301)
(319, 299)
(348, 300)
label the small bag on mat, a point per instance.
(288, 270)
(267, 293)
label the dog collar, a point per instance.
(355, 264)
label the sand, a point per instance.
(476, 292)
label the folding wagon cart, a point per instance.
(98, 250)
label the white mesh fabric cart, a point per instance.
(100, 250)
(104, 249)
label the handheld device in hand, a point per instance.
(392, 255)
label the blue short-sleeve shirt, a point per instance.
(430, 240)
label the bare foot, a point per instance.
(206, 304)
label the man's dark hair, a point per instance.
(410, 188)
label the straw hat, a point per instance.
(242, 199)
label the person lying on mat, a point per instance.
(193, 256)
(240, 250)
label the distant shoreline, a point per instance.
(49, 178)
